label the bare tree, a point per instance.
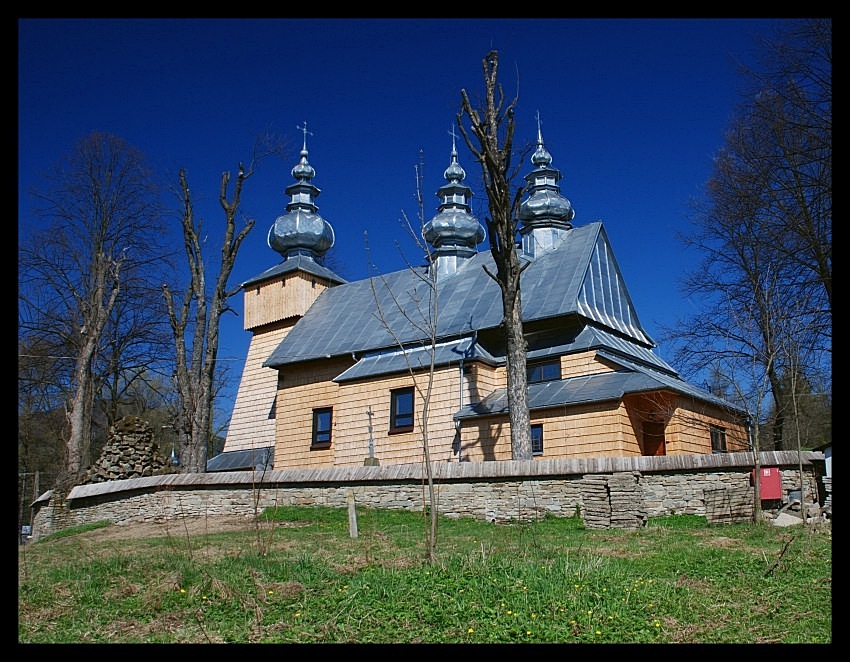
(104, 233)
(195, 319)
(422, 316)
(764, 224)
(492, 127)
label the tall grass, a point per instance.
(677, 580)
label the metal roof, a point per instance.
(580, 276)
(259, 459)
(302, 262)
(600, 387)
(418, 358)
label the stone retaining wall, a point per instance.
(635, 488)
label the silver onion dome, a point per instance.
(545, 206)
(301, 231)
(454, 225)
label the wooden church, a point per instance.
(337, 372)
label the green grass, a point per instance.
(301, 578)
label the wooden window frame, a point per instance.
(532, 365)
(395, 395)
(537, 426)
(718, 439)
(316, 442)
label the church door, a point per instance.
(653, 438)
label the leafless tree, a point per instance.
(492, 128)
(764, 224)
(195, 316)
(103, 235)
(422, 316)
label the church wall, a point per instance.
(690, 426)
(252, 424)
(286, 296)
(301, 388)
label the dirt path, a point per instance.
(193, 526)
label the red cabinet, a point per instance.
(770, 483)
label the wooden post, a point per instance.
(352, 515)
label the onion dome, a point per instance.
(301, 231)
(454, 225)
(545, 206)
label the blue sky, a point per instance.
(632, 111)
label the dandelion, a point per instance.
(509, 612)
(297, 614)
(534, 616)
(651, 605)
(589, 612)
(572, 622)
(470, 630)
(203, 597)
(610, 618)
(651, 580)
(271, 592)
(598, 632)
(604, 589)
(528, 632)
(182, 590)
(657, 624)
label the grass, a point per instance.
(303, 579)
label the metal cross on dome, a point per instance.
(304, 130)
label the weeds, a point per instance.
(678, 580)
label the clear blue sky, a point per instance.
(632, 111)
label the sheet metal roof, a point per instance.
(600, 387)
(259, 459)
(292, 264)
(419, 358)
(580, 276)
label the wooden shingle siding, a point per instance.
(250, 425)
(281, 298)
(584, 363)
(301, 388)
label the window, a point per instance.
(401, 410)
(718, 439)
(544, 372)
(322, 421)
(537, 439)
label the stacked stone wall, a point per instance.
(627, 498)
(130, 452)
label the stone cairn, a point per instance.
(613, 501)
(130, 452)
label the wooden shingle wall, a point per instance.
(251, 424)
(286, 296)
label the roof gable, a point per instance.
(580, 276)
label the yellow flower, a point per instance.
(510, 612)
(182, 590)
(528, 632)
(470, 630)
(270, 592)
(589, 611)
(604, 589)
(203, 597)
(534, 616)
(297, 613)
(657, 624)
(651, 605)
(598, 632)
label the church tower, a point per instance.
(275, 300)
